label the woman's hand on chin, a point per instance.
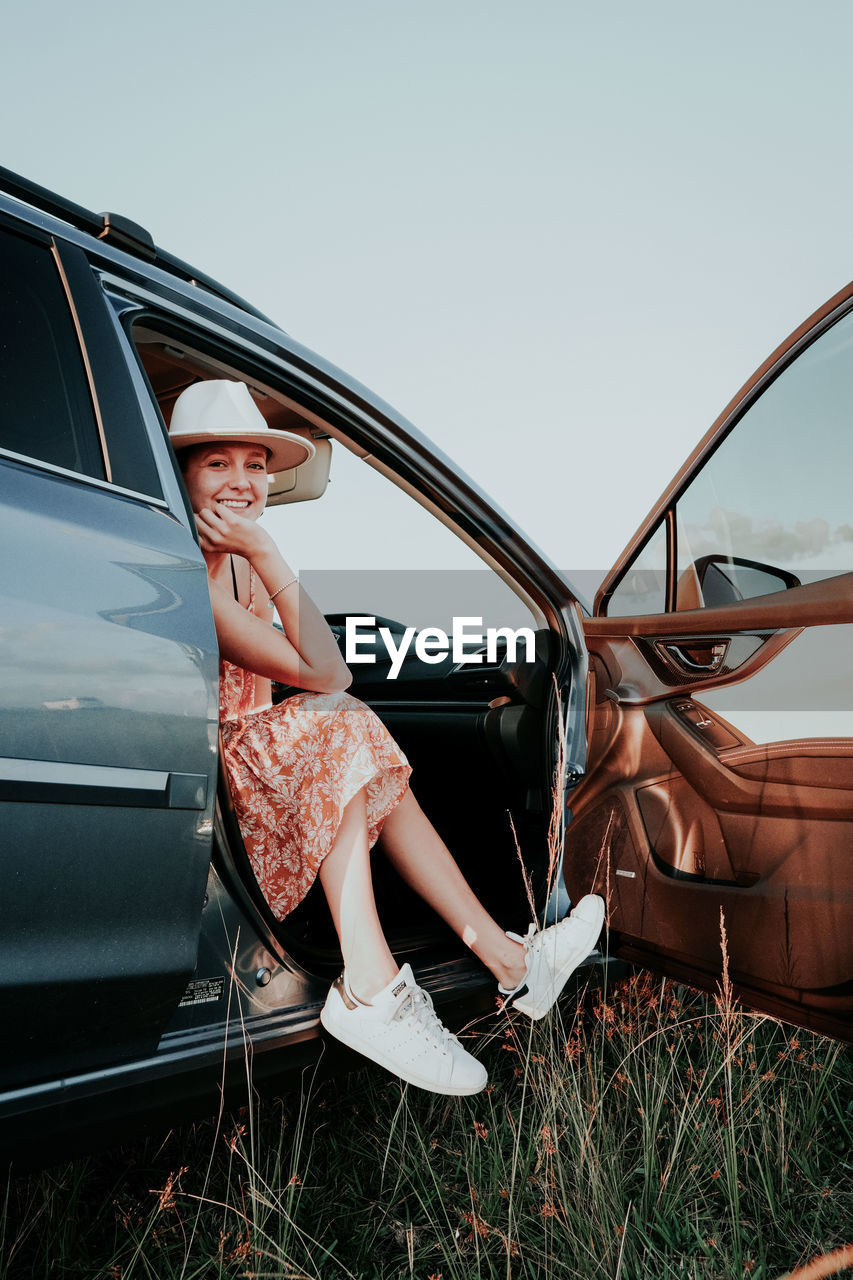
(223, 530)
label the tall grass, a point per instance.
(642, 1131)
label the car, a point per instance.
(140, 962)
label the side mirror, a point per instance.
(726, 579)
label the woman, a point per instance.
(315, 779)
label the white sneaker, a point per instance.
(552, 955)
(400, 1030)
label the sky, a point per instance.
(558, 237)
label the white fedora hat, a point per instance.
(219, 411)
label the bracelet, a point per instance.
(278, 591)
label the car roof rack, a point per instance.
(119, 232)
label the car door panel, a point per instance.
(715, 776)
(108, 674)
(701, 838)
(668, 857)
(682, 818)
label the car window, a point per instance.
(770, 509)
(45, 407)
(367, 547)
(772, 505)
(643, 588)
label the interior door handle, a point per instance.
(697, 659)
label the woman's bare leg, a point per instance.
(417, 852)
(346, 879)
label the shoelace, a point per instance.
(418, 1008)
(528, 937)
(532, 940)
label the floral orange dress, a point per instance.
(293, 768)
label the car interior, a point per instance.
(476, 735)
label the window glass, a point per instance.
(128, 445)
(643, 588)
(45, 407)
(772, 505)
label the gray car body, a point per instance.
(136, 968)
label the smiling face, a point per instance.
(229, 475)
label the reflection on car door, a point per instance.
(689, 820)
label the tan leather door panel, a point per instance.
(681, 816)
(727, 788)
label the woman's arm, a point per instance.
(306, 655)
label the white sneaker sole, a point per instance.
(584, 946)
(335, 1024)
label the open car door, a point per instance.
(720, 783)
